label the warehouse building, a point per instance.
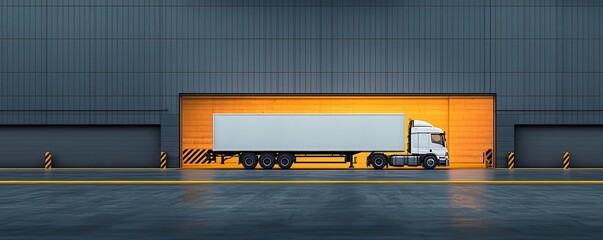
(112, 83)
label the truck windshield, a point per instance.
(438, 139)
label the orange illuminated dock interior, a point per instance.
(467, 120)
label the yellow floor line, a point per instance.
(93, 169)
(273, 182)
(295, 169)
(548, 169)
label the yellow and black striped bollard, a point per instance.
(489, 158)
(566, 160)
(48, 160)
(163, 160)
(511, 160)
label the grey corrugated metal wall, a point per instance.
(127, 61)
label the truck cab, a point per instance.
(425, 139)
(427, 147)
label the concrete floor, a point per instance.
(327, 211)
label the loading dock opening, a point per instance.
(468, 120)
(542, 146)
(78, 146)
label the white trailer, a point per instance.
(309, 132)
(281, 138)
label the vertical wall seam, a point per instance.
(46, 70)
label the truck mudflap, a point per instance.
(443, 161)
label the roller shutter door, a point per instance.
(80, 146)
(542, 146)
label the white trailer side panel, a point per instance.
(309, 132)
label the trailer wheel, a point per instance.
(267, 160)
(429, 162)
(285, 160)
(249, 160)
(378, 160)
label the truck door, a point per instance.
(423, 143)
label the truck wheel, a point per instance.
(378, 160)
(285, 160)
(267, 160)
(429, 162)
(249, 160)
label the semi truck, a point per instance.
(280, 139)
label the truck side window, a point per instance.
(437, 138)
